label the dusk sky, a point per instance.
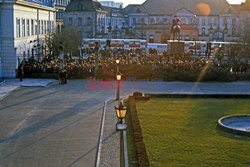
(126, 2)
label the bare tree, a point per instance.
(70, 38)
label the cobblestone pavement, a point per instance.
(110, 148)
(59, 125)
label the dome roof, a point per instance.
(168, 7)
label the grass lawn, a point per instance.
(182, 132)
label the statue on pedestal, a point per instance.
(176, 28)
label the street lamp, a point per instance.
(117, 61)
(118, 78)
(121, 113)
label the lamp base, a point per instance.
(121, 126)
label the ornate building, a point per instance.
(152, 20)
(244, 13)
(60, 6)
(93, 19)
(200, 19)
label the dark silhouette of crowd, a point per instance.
(133, 63)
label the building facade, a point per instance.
(24, 26)
(152, 20)
(244, 13)
(93, 19)
(112, 4)
(60, 6)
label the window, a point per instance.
(36, 27)
(80, 6)
(152, 21)
(79, 21)
(23, 28)
(203, 31)
(165, 20)
(210, 21)
(157, 20)
(18, 31)
(32, 27)
(52, 24)
(134, 21)
(41, 27)
(203, 22)
(49, 27)
(45, 27)
(70, 21)
(215, 21)
(233, 21)
(142, 21)
(225, 21)
(28, 27)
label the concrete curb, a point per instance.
(99, 145)
(125, 149)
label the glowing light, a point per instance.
(204, 8)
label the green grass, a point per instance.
(182, 132)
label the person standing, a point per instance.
(21, 72)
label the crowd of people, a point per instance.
(133, 63)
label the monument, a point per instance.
(176, 46)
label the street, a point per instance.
(50, 126)
(59, 125)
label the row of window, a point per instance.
(214, 31)
(89, 21)
(30, 27)
(202, 21)
(61, 2)
(215, 21)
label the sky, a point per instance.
(126, 2)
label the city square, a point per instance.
(108, 83)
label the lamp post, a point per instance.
(118, 78)
(121, 112)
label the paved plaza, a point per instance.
(59, 125)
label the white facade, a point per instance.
(23, 26)
(112, 4)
